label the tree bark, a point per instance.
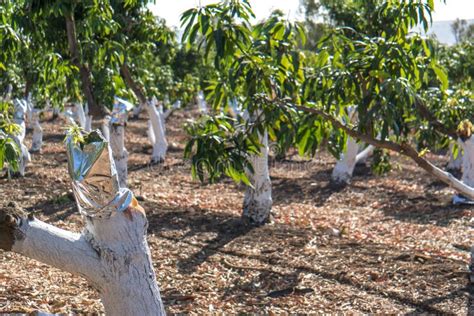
(454, 164)
(120, 154)
(19, 119)
(112, 254)
(402, 148)
(95, 109)
(160, 145)
(37, 140)
(156, 135)
(202, 104)
(127, 77)
(258, 199)
(468, 161)
(342, 172)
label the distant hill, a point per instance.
(442, 31)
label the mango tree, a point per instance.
(248, 61)
(112, 252)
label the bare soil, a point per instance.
(383, 244)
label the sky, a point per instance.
(172, 9)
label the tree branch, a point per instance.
(440, 127)
(38, 240)
(403, 148)
(94, 108)
(127, 77)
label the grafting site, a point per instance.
(235, 163)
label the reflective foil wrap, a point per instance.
(20, 108)
(94, 177)
(120, 111)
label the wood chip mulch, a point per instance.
(389, 244)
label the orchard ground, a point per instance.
(389, 244)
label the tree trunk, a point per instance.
(120, 154)
(156, 133)
(454, 164)
(80, 114)
(344, 168)
(202, 104)
(84, 72)
(467, 169)
(112, 251)
(258, 200)
(160, 146)
(137, 110)
(111, 254)
(342, 172)
(127, 77)
(468, 161)
(19, 119)
(106, 127)
(37, 141)
(402, 148)
(88, 126)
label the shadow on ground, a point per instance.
(274, 259)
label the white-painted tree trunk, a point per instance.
(455, 164)
(344, 168)
(160, 145)
(468, 161)
(106, 127)
(29, 109)
(88, 126)
(19, 119)
(137, 110)
(467, 146)
(258, 200)
(112, 254)
(342, 172)
(80, 115)
(120, 154)
(363, 155)
(202, 104)
(151, 134)
(37, 141)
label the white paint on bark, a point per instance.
(137, 110)
(151, 134)
(106, 127)
(202, 104)
(119, 153)
(342, 172)
(258, 200)
(455, 163)
(468, 161)
(37, 140)
(363, 155)
(88, 126)
(19, 119)
(80, 115)
(160, 145)
(344, 168)
(112, 254)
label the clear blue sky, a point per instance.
(172, 9)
